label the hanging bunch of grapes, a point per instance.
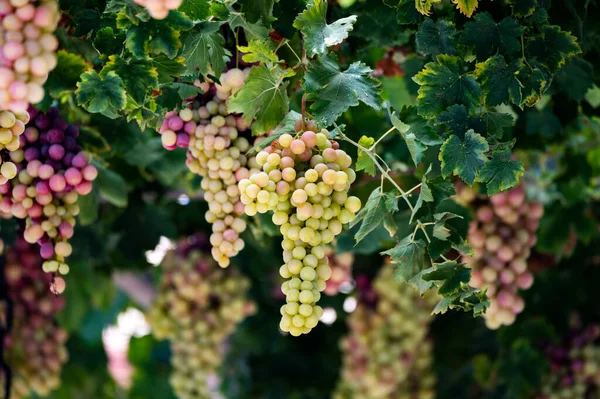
(341, 271)
(11, 127)
(304, 181)
(52, 173)
(574, 365)
(159, 9)
(198, 306)
(27, 51)
(386, 354)
(35, 347)
(502, 234)
(217, 152)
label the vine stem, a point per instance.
(381, 138)
(287, 43)
(384, 172)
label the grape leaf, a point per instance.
(499, 81)
(318, 34)
(467, 299)
(197, 10)
(64, 79)
(424, 6)
(425, 195)
(257, 30)
(488, 37)
(436, 38)
(364, 162)
(111, 186)
(107, 41)
(409, 255)
(285, 126)
(263, 97)
(157, 36)
(168, 68)
(88, 207)
(334, 91)
(501, 173)
(534, 83)
(466, 7)
(104, 95)
(256, 10)
(450, 275)
(419, 127)
(522, 8)
(458, 121)
(262, 51)
(139, 76)
(553, 47)
(204, 51)
(440, 231)
(414, 145)
(443, 83)
(373, 213)
(463, 157)
(575, 78)
(407, 13)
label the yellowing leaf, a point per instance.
(466, 7)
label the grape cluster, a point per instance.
(574, 366)
(386, 354)
(216, 151)
(198, 306)
(11, 127)
(305, 181)
(502, 234)
(159, 9)
(27, 51)
(35, 347)
(341, 271)
(52, 173)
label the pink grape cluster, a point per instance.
(27, 51)
(52, 173)
(198, 306)
(341, 271)
(304, 181)
(11, 127)
(574, 366)
(217, 152)
(502, 234)
(159, 9)
(387, 354)
(35, 348)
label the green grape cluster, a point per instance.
(304, 181)
(35, 346)
(198, 306)
(386, 354)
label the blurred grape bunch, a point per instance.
(341, 271)
(502, 234)
(387, 353)
(574, 365)
(198, 306)
(35, 347)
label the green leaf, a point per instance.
(371, 215)
(464, 157)
(157, 36)
(452, 274)
(534, 83)
(522, 8)
(407, 13)
(334, 91)
(318, 34)
(365, 162)
(263, 97)
(186, 90)
(436, 38)
(467, 299)
(575, 78)
(414, 145)
(111, 186)
(256, 10)
(238, 20)
(410, 257)
(204, 50)
(501, 173)
(168, 68)
(63, 80)
(440, 231)
(139, 76)
(499, 81)
(197, 10)
(443, 83)
(553, 47)
(489, 38)
(262, 51)
(285, 126)
(108, 42)
(419, 126)
(466, 7)
(104, 95)
(88, 207)
(424, 6)
(425, 195)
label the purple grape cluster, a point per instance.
(35, 348)
(52, 173)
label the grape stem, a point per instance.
(373, 157)
(381, 138)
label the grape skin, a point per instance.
(387, 354)
(12, 125)
(198, 306)
(502, 235)
(35, 348)
(299, 184)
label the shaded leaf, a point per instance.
(488, 37)
(501, 173)
(464, 157)
(450, 275)
(64, 78)
(204, 50)
(104, 95)
(371, 215)
(436, 38)
(553, 47)
(499, 81)
(410, 258)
